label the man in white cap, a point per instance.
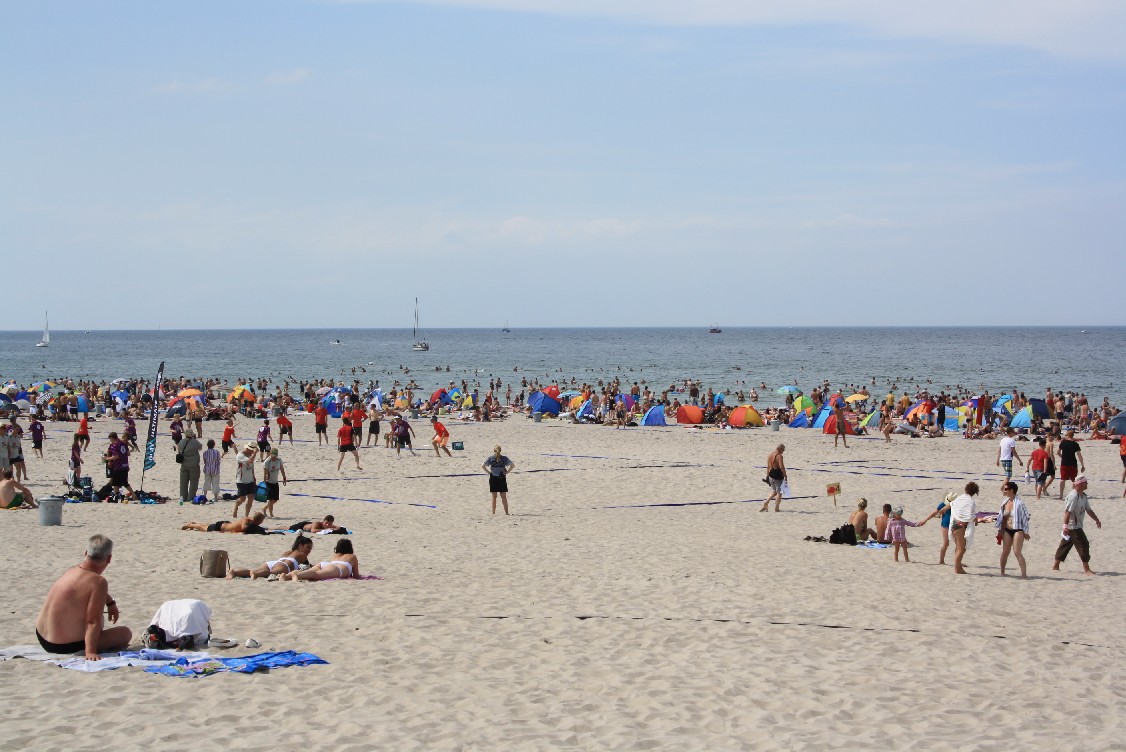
(1075, 509)
(245, 481)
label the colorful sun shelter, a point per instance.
(541, 403)
(654, 416)
(801, 421)
(689, 414)
(586, 410)
(744, 416)
(831, 426)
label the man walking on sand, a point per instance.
(441, 437)
(1071, 460)
(246, 484)
(1006, 453)
(344, 438)
(842, 426)
(775, 477)
(71, 618)
(1074, 510)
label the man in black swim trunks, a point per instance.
(309, 526)
(71, 618)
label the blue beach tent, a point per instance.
(802, 421)
(541, 403)
(822, 416)
(655, 416)
(586, 410)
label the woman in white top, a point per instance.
(342, 566)
(1014, 523)
(963, 519)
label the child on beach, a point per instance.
(897, 532)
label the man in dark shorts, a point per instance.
(244, 525)
(842, 425)
(775, 477)
(71, 618)
(402, 432)
(373, 424)
(309, 526)
(264, 439)
(344, 440)
(117, 458)
(245, 481)
(320, 417)
(358, 414)
(285, 428)
(1071, 460)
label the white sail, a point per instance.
(419, 345)
(46, 333)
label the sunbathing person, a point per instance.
(15, 495)
(859, 522)
(329, 523)
(246, 525)
(342, 566)
(286, 563)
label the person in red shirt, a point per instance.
(321, 418)
(441, 438)
(228, 436)
(344, 439)
(83, 432)
(1038, 464)
(285, 428)
(358, 414)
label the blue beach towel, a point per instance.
(244, 665)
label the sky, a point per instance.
(289, 163)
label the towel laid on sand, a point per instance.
(109, 661)
(248, 664)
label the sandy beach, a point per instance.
(635, 599)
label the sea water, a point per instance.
(993, 358)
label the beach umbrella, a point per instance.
(803, 403)
(5, 400)
(1117, 425)
(120, 394)
(743, 416)
(576, 401)
(189, 393)
(788, 389)
(569, 393)
(718, 399)
(23, 405)
(41, 386)
(689, 414)
(856, 398)
(552, 391)
(323, 391)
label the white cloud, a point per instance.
(288, 78)
(1068, 28)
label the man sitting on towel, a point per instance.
(71, 619)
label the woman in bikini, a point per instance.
(1014, 522)
(287, 563)
(342, 566)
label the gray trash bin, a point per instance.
(774, 425)
(51, 511)
(537, 417)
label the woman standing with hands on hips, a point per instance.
(498, 466)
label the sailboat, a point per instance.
(506, 330)
(46, 341)
(419, 345)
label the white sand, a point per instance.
(576, 625)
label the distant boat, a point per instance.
(335, 342)
(1083, 331)
(419, 345)
(715, 330)
(506, 330)
(46, 341)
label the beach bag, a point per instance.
(214, 563)
(844, 535)
(183, 624)
(179, 458)
(261, 493)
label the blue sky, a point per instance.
(619, 163)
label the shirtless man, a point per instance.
(329, 523)
(775, 477)
(882, 524)
(15, 495)
(859, 522)
(71, 618)
(247, 525)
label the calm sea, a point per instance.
(995, 358)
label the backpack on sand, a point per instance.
(845, 535)
(214, 563)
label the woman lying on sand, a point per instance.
(247, 525)
(342, 566)
(288, 562)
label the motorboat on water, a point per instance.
(715, 330)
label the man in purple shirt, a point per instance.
(37, 435)
(117, 457)
(264, 440)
